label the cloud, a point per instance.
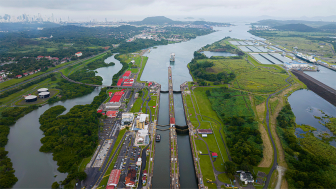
(75, 4)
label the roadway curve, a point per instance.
(47, 73)
(275, 157)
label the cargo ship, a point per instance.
(172, 57)
(307, 58)
(158, 138)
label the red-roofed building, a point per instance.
(113, 179)
(130, 179)
(119, 93)
(19, 76)
(204, 131)
(149, 84)
(214, 154)
(55, 58)
(99, 111)
(48, 57)
(107, 47)
(126, 74)
(120, 81)
(172, 122)
(111, 114)
(117, 96)
(31, 73)
(78, 54)
(39, 57)
(25, 74)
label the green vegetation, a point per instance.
(223, 46)
(258, 99)
(14, 90)
(204, 69)
(8, 118)
(71, 137)
(136, 45)
(243, 137)
(71, 90)
(331, 125)
(125, 66)
(306, 128)
(99, 62)
(310, 161)
(66, 41)
(144, 61)
(318, 43)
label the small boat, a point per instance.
(158, 138)
(230, 30)
(172, 57)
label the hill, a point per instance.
(162, 20)
(272, 23)
(155, 20)
(296, 27)
(328, 27)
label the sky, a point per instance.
(213, 10)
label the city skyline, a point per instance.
(137, 10)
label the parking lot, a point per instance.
(127, 159)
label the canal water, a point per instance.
(306, 104)
(157, 70)
(35, 169)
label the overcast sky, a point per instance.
(139, 9)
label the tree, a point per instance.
(55, 185)
(230, 169)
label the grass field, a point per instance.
(214, 141)
(15, 81)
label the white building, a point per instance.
(112, 105)
(246, 177)
(78, 54)
(127, 117)
(296, 65)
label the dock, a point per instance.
(174, 163)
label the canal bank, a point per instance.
(156, 70)
(24, 140)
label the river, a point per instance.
(35, 169)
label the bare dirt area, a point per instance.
(284, 184)
(281, 160)
(268, 149)
(261, 112)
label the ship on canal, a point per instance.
(307, 58)
(172, 57)
(158, 138)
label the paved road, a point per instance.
(143, 164)
(275, 156)
(47, 73)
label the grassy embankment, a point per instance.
(251, 87)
